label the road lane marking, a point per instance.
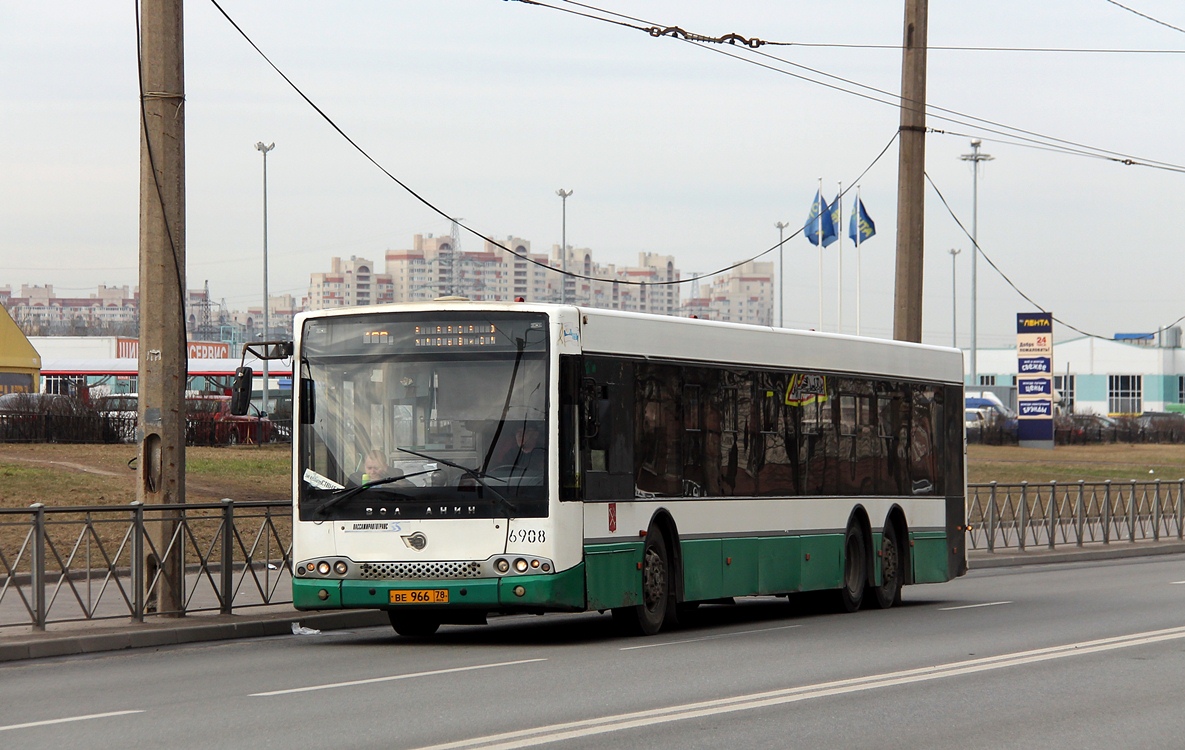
(636, 719)
(709, 637)
(68, 719)
(971, 606)
(1176, 583)
(390, 678)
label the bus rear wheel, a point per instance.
(888, 593)
(647, 618)
(855, 569)
(413, 624)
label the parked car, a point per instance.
(120, 414)
(209, 422)
(1000, 421)
(976, 421)
(1161, 427)
(1091, 428)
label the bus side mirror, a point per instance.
(240, 392)
(308, 401)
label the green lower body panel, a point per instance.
(929, 558)
(821, 561)
(562, 592)
(613, 576)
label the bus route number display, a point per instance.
(456, 334)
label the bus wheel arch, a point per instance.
(659, 576)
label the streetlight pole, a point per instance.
(264, 149)
(781, 225)
(954, 299)
(563, 194)
(974, 157)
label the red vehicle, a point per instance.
(210, 422)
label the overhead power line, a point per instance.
(976, 247)
(425, 202)
(1146, 16)
(729, 45)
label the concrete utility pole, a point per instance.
(911, 166)
(163, 363)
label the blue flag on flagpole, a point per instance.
(820, 212)
(860, 226)
(836, 221)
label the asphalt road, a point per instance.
(1088, 655)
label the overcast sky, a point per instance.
(487, 107)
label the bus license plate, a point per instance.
(420, 596)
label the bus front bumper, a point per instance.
(561, 592)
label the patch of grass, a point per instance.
(1092, 463)
(268, 461)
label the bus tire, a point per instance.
(888, 593)
(855, 569)
(647, 618)
(413, 624)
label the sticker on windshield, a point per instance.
(318, 481)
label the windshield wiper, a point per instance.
(479, 477)
(342, 495)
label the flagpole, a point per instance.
(855, 207)
(819, 234)
(839, 255)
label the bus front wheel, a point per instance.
(413, 624)
(647, 618)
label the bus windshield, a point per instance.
(424, 417)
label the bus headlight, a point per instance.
(323, 568)
(520, 565)
(340, 567)
(502, 565)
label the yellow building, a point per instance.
(20, 364)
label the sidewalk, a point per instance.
(67, 639)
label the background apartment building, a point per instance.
(349, 283)
(744, 295)
(434, 267)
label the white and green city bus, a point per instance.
(551, 458)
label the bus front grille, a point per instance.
(416, 570)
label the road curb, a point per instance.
(197, 629)
(1118, 551)
(155, 635)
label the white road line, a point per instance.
(68, 719)
(371, 681)
(971, 606)
(606, 724)
(1177, 583)
(709, 637)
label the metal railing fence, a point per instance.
(1022, 516)
(72, 564)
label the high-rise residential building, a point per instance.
(743, 295)
(38, 310)
(349, 283)
(435, 267)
